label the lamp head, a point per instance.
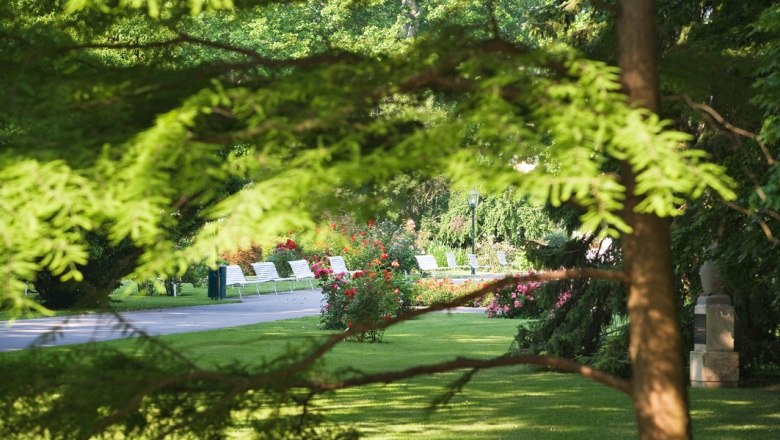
(473, 198)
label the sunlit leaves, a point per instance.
(43, 208)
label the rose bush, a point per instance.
(365, 300)
(515, 301)
(284, 252)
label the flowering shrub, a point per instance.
(366, 299)
(514, 302)
(385, 241)
(284, 252)
(244, 257)
(427, 291)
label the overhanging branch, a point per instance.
(562, 274)
(477, 364)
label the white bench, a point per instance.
(474, 264)
(234, 276)
(266, 272)
(452, 262)
(338, 265)
(427, 264)
(302, 271)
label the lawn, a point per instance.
(506, 403)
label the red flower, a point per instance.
(384, 256)
(371, 223)
(334, 226)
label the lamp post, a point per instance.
(473, 200)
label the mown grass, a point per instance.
(506, 403)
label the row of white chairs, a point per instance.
(427, 263)
(266, 272)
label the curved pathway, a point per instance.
(77, 329)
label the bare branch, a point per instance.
(761, 223)
(477, 364)
(736, 130)
(562, 274)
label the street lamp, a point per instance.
(473, 200)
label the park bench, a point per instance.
(266, 272)
(338, 265)
(302, 271)
(234, 276)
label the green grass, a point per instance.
(506, 403)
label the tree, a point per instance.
(465, 96)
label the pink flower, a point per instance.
(518, 304)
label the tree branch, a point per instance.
(761, 223)
(562, 274)
(733, 129)
(477, 364)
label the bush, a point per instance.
(282, 254)
(427, 291)
(516, 301)
(244, 257)
(366, 299)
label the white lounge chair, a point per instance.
(452, 262)
(502, 259)
(234, 276)
(266, 272)
(427, 264)
(302, 271)
(338, 265)
(474, 264)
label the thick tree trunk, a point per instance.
(659, 388)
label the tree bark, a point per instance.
(658, 385)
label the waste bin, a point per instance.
(216, 283)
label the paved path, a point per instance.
(102, 327)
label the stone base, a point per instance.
(714, 369)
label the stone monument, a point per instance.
(714, 363)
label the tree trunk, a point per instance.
(659, 387)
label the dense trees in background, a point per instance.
(143, 137)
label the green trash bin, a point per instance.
(216, 283)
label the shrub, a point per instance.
(366, 299)
(282, 254)
(427, 291)
(515, 301)
(244, 257)
(385, 241)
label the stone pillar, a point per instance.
(714, 363)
